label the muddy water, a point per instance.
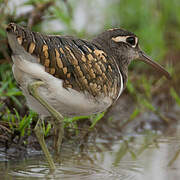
(148, 155)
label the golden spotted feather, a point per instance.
(83, 65)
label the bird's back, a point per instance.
(83, 65)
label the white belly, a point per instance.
(68, 102)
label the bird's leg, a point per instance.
(59, 132)
(40, 136)
(58, 118)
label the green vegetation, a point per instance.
(157, 23)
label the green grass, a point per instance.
(155, 22)
(8, 86)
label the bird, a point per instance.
(65, 76)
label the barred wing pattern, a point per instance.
(83, 65)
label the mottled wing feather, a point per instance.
(81, 64)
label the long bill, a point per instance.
(143, 57)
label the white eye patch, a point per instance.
(124, 39)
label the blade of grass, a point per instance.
(175, 96)
(96, 119)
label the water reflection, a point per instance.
(141, 157)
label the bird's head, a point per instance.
(124, 47)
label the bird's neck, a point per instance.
(121, 61)
(123, 67)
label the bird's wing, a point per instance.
(82, 65)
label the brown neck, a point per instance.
(121, 61)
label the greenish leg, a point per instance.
(59, 132)
(40, 136)
(58, 120)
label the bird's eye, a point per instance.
(131, 40)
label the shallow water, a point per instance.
(145, 156)
(146, 149)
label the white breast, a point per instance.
(68, 102)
